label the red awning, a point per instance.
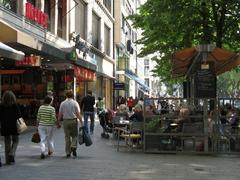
(12, 71)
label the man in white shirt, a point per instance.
(69, 112)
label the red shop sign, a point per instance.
(36, 15)
(29, 61)
(83, 74)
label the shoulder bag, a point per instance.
(21, 125)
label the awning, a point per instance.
(223, 60)
(29, 44)
(137, 79)
(8, 52)
(12, 71)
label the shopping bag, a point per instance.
(36, 137)
(21, 125)
(80, 136)
(86, 138)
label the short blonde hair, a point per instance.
(122, 108)
(138, 107)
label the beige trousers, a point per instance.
(71, 134)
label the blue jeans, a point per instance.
(85, 116)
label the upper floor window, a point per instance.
(95, 30)
(47, 10)
(60, 19)
(146, 62)
(108, 5)
(80, 20)
(9, 4)
(146, 71)
(146, 81)
(107, 40)
(33, 2)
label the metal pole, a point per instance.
(205, 124)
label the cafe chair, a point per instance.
(192, 137)
(132, 135)
(222, 135)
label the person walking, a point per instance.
(99, 105)
(130, 103)
(69, 112)
(46, 120)
(9, 113)
(87, 106)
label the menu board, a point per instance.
(205, 82)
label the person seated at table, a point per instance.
(138, 114)
(122, 112)
(182, 118)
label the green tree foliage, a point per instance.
(171, 25)
(229, 84)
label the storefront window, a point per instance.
(9, 4)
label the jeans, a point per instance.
(85, 116)
(11, 143)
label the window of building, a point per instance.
(107, 40)
(146, 82)
(80, 19)
(47, 10)
(146, 71)
(146, 62)
(95, 30)
(33, 2)
(9, 4)
(123, 61)
(60, 19)
(108, 5)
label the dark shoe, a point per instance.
(50, 153)
(42, 156)
(11, 159)
(68, 155)
(74, 152)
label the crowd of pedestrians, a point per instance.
(70, 114)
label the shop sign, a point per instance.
(83, 74)
(30, 61)
(119, 86)
(36, 15)
(72, 55)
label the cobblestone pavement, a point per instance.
(101, 161)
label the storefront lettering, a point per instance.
(83, 74)
(29, 61)
(36, 15)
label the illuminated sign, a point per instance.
(29, 61)
(36, 15)
(83, 74)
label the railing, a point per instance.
(178, 125)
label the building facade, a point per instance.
(125, 37)
(67, 45)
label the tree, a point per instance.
(229, 84)
(170, 25)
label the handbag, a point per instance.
(36, 137)
(86, 138)
(21, 125)
(80, 136)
